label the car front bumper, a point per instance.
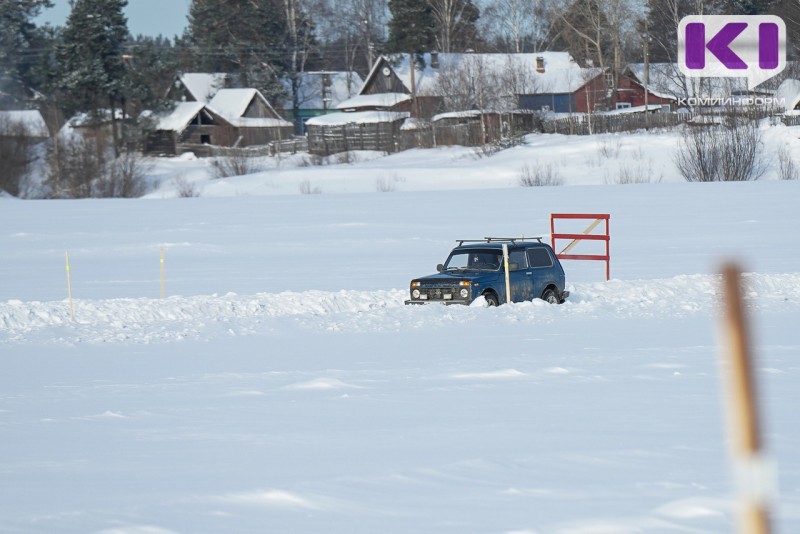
(415, 302)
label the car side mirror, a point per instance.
(440, 267)
(513, 266)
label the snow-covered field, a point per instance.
(282, 386)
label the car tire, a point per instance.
(550, 296)
(491, 300)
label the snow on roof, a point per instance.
(32, 120)
(180, 117)
(561, 73)
(378, 100)
(631, 109)
(203, 85)
(789, 93)
(357, 117)
(458, 114)
(232, 104)
(310, 88)
(412, 123)
(260, 122)
(103, 116)
(667, 81)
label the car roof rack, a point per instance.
(512, 240)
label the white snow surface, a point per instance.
(282, 386)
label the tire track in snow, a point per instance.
(174, 318)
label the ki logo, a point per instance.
(753, 47)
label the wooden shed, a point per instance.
(254, 120)
(190, 123)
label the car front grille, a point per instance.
(446, 293)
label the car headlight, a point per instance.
(464, 293)
(415, 294)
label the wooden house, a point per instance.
(441, 82)
(187, 126)
(254, 120)
(364, 122)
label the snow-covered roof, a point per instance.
(203, 85)
(103, 116)
(179, 118)
(667, 81)
(561, 73)
(789, 93)
(631, 109)
(357, 117)
(378, 100)
(412, 123)
(342, 86)
(32, 120)
(458, 114)
(233, 103)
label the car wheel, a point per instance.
(491, 299)
(550, 296)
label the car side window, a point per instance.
(539, 257)
(518, 257)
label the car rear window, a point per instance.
(539, 257)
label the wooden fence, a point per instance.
(291, 146)
(597, 124)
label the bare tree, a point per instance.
(356, 28)
(300, 39)
(76, 163)
(519, 25)
(726, 152)
(453, 19)
(125, 177)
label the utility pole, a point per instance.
(646, 76)
(414, 109)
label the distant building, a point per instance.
(439, 80)
(233, 118)
(320, 93)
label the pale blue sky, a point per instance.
(146, 17)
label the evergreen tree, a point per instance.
(152, 65)
(91, 68)
(411, 27)
(19, 43)
(242, 37)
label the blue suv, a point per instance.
(475, 268)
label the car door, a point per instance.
(521, 276)
(541, 267)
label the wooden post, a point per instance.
(508, 277)
(753, 476)
(69, 290)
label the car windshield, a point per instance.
(480, 260)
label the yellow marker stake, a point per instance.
(162, 272)
(508, 278)
(69, 290)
